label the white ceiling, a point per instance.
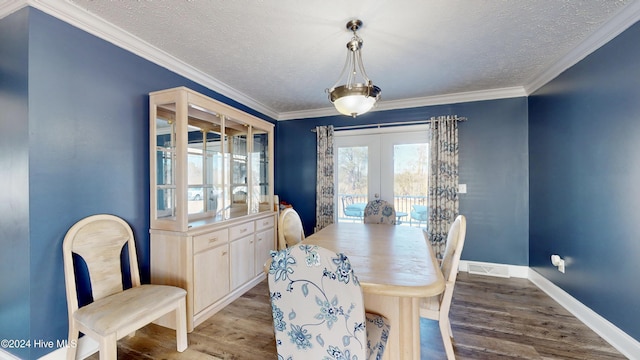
(279, 56)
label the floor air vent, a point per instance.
(488, 269)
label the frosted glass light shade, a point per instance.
(354, 100)
(354, 104)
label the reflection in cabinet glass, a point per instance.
(165, 158)
(212, 162)
(260, 168)
(204, 165)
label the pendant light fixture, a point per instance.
(358, 94)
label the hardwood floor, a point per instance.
(491, 318)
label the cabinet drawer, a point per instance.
(209, 240)
(241, 230)
(264, 223)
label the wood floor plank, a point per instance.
(496, 346)
(491, 318)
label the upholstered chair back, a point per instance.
(379, 212)
(318, 308)
(290, 231)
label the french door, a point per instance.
(389, 164)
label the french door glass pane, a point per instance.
(410, 180)
(392, 166)
(353, 182)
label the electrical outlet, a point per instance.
(558, 262)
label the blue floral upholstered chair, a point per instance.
(379, 212)
(318, 307)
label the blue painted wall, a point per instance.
(493, 164)
(74, 139)
(585, 169)
(14, 180)
(74, 142)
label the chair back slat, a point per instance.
(453, 249)
(99, 243)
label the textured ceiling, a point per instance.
(283, 54)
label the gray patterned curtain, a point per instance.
(324, 181)
(443, 180)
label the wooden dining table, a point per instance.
(395, 268)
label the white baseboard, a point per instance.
(86, 347)
(5, 355)
(620, 340)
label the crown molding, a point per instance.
(625, 18)
(87, 22)
(454, 98)
(469, 96)
(73, 15)
(8, 7)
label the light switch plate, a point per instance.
(462, 188)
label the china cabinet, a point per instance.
(212, 212)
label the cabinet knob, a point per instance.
(212, 240)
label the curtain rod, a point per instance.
(381, 125)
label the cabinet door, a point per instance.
(264, 244)
(211, 276)
(261, 179)
(242, 260)
(163, 163)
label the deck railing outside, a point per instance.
(403, 205)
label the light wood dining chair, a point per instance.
(379, 212)
(99, 240)
(437, 307)
(318, 307)
(290, 231)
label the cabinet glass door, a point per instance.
(204, 163)
(208, 162)
(236, 162)
(259, 200)
(165, 161)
